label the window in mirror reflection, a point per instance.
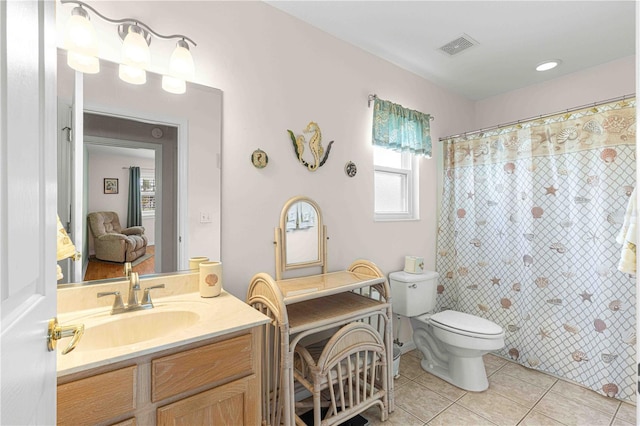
(148, 194)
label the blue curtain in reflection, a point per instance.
(134, 210)
(401, 129)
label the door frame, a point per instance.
(182, 165)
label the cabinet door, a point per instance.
(232, 404)
(97, 398)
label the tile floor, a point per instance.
(516, 396)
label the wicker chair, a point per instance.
(346, 376)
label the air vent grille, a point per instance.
(458, 45)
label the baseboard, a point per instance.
(407, 347)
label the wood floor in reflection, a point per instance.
(98, 269)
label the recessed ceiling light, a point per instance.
(547, 65)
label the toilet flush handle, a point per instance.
(413, 286)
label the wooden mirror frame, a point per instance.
(280, 242)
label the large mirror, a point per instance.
(300, 239)
(174, 140)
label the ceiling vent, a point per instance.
(458, 45)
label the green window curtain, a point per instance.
(401, 129)
(134, 211)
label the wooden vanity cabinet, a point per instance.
(215, 381)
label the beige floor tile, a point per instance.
(420, 401)
(410, 367)
(493, 363)
(571, 412)
(401, 380)
(398, 418)
(515, 389)
(493, 406)
(528, 375)
(627, 413)
(415, 353)
(586, 397)
(458, 415)
(535, 418)
(440, 386)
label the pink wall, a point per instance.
(278, 73)
(616, 78)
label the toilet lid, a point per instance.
(465, 323)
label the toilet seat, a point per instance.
(464, 324)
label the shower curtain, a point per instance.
(134, 206)
(527, 239)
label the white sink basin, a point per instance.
(129, 329)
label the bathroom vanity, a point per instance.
(312, 307)
(200, 365)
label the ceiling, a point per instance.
(512, 37)
(95, 149)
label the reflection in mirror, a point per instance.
(301, 236)
(191, 123)
(300, 240)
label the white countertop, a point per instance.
(217, 316)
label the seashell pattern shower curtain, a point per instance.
(527, 239)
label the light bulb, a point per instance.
(135, 50)
(81, 37)
(181, 62)
(132, 75)
(83, 63)
(173, 85)
(547, 65)
(81, 42)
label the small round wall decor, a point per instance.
(259, 159)
(350, 169)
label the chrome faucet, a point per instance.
(132, 303)
(134, 286)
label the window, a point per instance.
(148, 194)
(395, 185)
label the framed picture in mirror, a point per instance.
(110, 185)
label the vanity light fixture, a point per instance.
(181, 69)
(548, 65)
(81, 42)
(136, 55)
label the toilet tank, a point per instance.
(413, 294)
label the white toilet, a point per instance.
(452, 343)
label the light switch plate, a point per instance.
(205, 217)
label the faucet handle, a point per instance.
(146, 296)
(127, 269)
(118, 306)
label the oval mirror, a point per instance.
(302, 241)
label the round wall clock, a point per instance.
(350, 169)
(259, 159)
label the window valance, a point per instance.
(401, 129)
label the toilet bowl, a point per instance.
(452, 343)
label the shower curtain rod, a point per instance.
(538, 117)
(374, 97)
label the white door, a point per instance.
(27, 211)
(78, 216)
